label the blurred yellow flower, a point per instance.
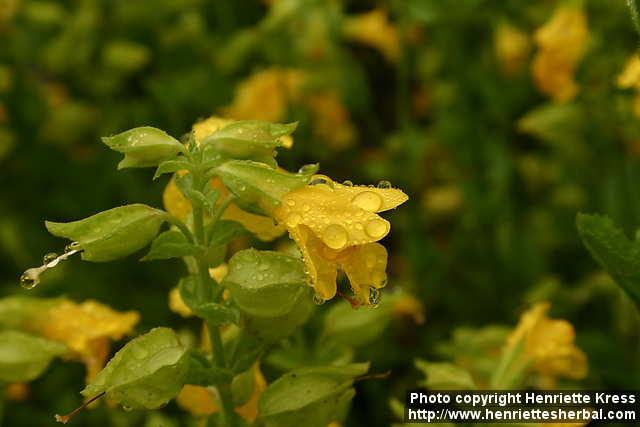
(331, 120)
(442, 200)
(374, 29)
(177, 204)
(86, 329)
(201, 402)
(177, 305)
(265, 95)
(512, 47)
(17, 392)
(408, 305)
(548, 344)
(561, 44)
(630, 79)
(336, 226)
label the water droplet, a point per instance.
(377, 228)
(73, 246)
(347, 183)
(374, 297)
(335, 236)
(307, 169)
(368, 201)
(263, 267)
(318, 300)
(291, 202)
(293, 220)
(306, 208)
(384, 184)
(30, 278)
(51, 256)
(321, 180)
(139, 352)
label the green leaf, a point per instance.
(24, 357)
(16, 312)
(112, 234)
(248, 140)
(188, 288)
(259, 187)
(216, 314)
(224, 231)
(354, 328)
(445, 376)
(146, 373)
(171, 244)
(171, 166)
(201, 372)
(265, 283)
(198, 199)
(618, 255)
(317, 395)
(143, 147)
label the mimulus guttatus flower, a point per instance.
(548, 344)
(86, 329)
(561, 44)
(512, 47)
(336, 226)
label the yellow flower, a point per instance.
(561, 44)
(265, 95)
(630, 78)
(331, 120)
(177, 205)
(201, 402)
(549, 344)
(512, 48)
(442, 200)
(336, 226)
(86, 329)
(373, 29)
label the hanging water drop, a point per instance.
(49, 257)
(384, 184)
(374, 297)
(30, 278)
(377, 228)
(73, 246)
(318, 300)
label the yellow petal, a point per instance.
(365, 266)
(85, 328)
(206, 127)
(197, 400)
(330, 119)
(321, 270)
(408, 305)
(630, 76)
(249, 411)
(374, 29)
(562, 42)
(219, 272)
(512, 48)
(177, 305)
(174, 201)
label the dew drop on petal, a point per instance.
(306, 169)
(291, 202)
(347, 183)
(335, 236)
(293, 219)
(368, 201)
(384, 184)
(321, 180)
(376, 228)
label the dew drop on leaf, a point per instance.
(318, 300)
(51, 256)
(73, 246)
(30, 278)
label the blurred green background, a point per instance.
(437, 97)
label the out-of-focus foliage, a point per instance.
(500, 119)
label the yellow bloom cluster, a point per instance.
(374, 29)
(268, 94)
(548, 344)
(561, 44)
(512, 47)
(337, 226)
(177, 205)
(86, 329)
(630, 79)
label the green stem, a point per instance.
(207, 285)
(181, 226)
(218, 213)
(635, 14)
